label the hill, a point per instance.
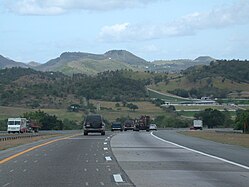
(33, 64)
(31, 88)
(91, 64)
(220, 79)
(8, 63)
(181, 64)
(87, 63)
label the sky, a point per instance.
(40, 30)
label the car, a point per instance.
(116, 126)
(129, 125)
(94, 124)
(152, 127)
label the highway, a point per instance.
(151, 161)
(125, 159)
(74, 161)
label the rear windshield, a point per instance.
(93, 118)
(115, 125)
(128, 123)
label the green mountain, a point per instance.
(28, 87)
(87, 63)
(220, 79)
(8, 63)
(180, 64)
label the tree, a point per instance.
(132, 106)
(242, 120)
(46, 121)
(211, 117)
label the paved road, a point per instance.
(149, 161)
(76, 161)
(230, 152)
(125, 159)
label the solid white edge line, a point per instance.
(199, 152)
(117, 178)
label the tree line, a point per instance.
(236, 70)
(33, 88)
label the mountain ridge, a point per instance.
(8, 63)
(89, 63)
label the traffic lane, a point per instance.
(233, 153)
(151, 162)
(14, 150)
(77, 161)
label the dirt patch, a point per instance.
(226, 138)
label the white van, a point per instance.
(18, 125)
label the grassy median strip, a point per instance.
(226, 138)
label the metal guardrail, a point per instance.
(4, 136)
(7, 138)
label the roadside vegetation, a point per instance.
(226, 138)
(65, 100)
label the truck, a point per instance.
(18, 125)
(32, 126)
(197, 124)
(142, 123)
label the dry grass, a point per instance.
(144, 108)
(16, 142)
(226, 138)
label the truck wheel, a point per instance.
(102, 133)
(85, 133)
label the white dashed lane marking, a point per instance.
(108, 158)
(7, 184)
(117, 178)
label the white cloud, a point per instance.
(236, 14)
(53, 7)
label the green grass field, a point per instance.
(8, 112)
(109, 111)
(112, 112)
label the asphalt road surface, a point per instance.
(75, 161)
(151, 161)
(125, 159)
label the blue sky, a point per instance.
(39, 30)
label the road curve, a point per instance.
(149, 161)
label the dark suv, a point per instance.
(94, 123)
